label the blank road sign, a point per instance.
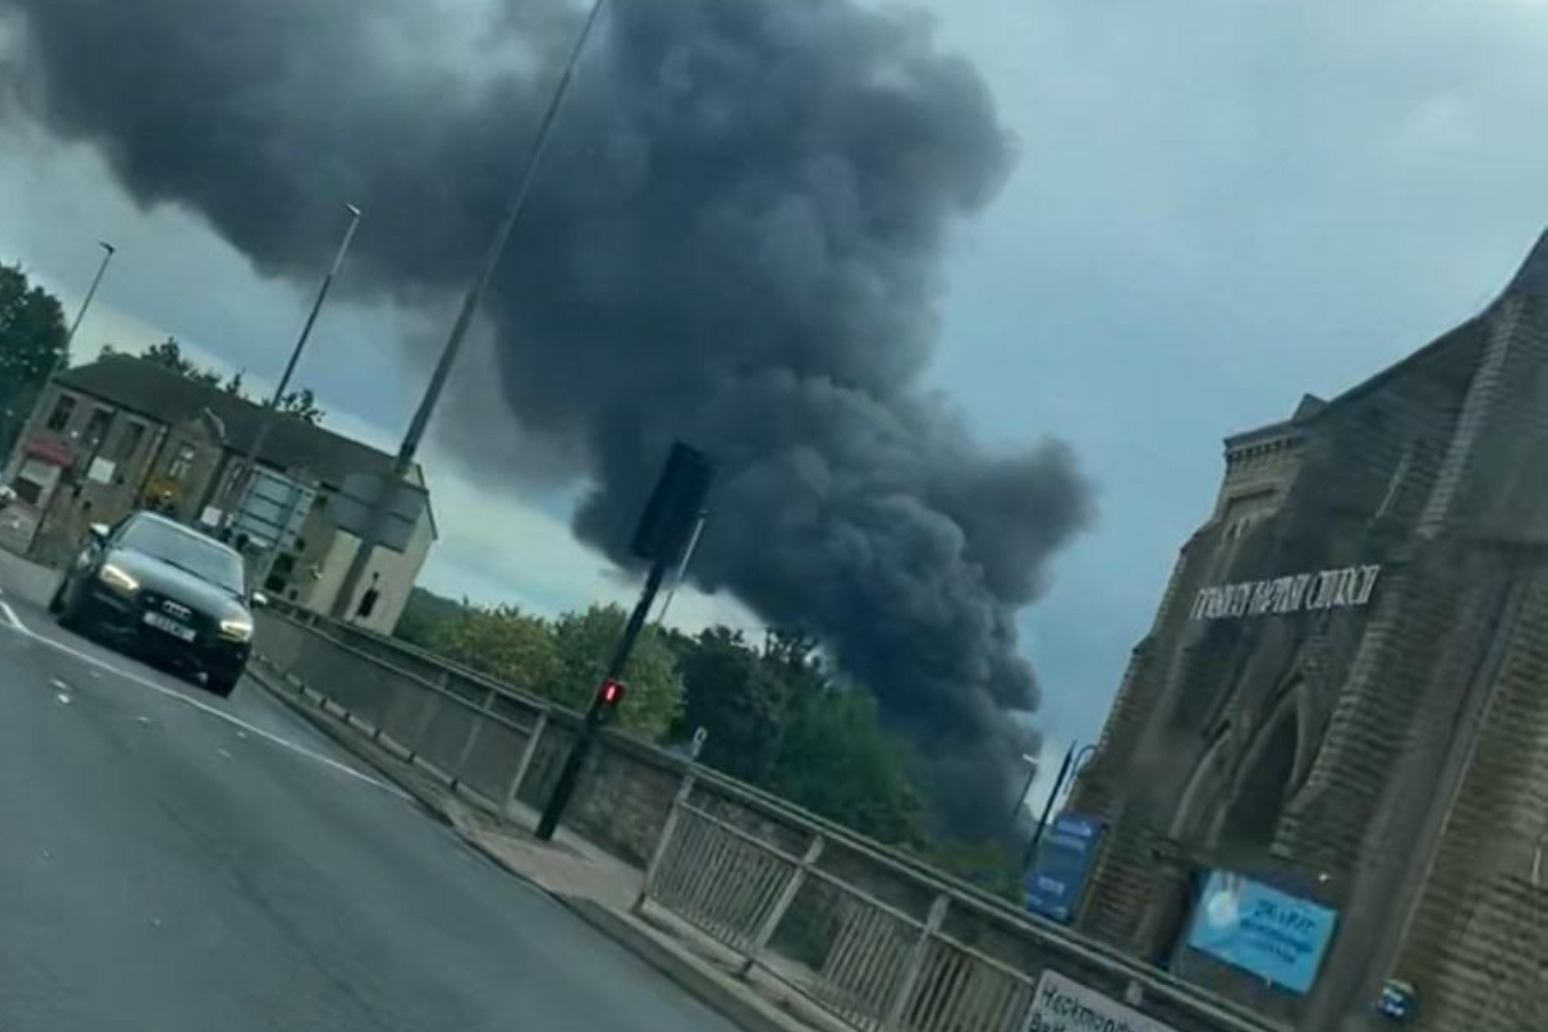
(354, 504)
(273, 509)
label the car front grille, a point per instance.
(154, 602)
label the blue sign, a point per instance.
(1064, 858)
(1276, 936)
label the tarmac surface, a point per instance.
(172, 861)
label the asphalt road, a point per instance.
(171, 861)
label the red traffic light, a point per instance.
(610, 694)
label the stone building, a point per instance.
(122, 433)
(1343, 705)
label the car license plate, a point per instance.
(165, 623)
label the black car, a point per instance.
(165, 591)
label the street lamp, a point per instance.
(382, 508)
(682, 567)
(108, 251)
(1074, 759)
(250, 460)
(1021, 797)
(63, 361)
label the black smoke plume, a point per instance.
(736, 241)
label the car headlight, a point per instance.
(117, 579)
(236, 630)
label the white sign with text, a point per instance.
(1064, 1005)
(1348, 588)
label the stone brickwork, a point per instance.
(1383, 759)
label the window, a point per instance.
(193, 553)
(128, 442)
(182, 463)
(96, 430)
(60, 417)
(34, 480)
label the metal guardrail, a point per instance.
(873, 937)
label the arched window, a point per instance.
(1267, 776)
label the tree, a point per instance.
(738, 698)
(32, 342)
(169, 355)
(303, 405)
(837, 761)
(562, 660)
(423, 615)
(585, 641)
(500, 641)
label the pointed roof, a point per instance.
(1532, 277)
(132, 383)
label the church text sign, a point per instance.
(1350, 587)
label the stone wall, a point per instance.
(1478, 938)
(1309, 749)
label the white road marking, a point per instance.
(201, 706)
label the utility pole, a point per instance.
(404, 464)
(266, 421)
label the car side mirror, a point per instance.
(259, 600)
(100, 533)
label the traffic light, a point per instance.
(674, 505)
(609, 695)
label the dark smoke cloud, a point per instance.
(736, 241)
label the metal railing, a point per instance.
(871, 936)
(866, 961)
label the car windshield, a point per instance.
(191, 552)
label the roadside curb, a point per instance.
(738, 1005)
(681, 967)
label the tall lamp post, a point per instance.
(108, 251)
(1021, 797)
(62, 363)
(266, 421)
(1074, 759)
(59, 364)
(376, 523)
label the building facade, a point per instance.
(121, 434)
(1339, 718)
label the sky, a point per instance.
(1219, 205)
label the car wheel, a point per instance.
(222, 684)
(56, 604)
(68, 615)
